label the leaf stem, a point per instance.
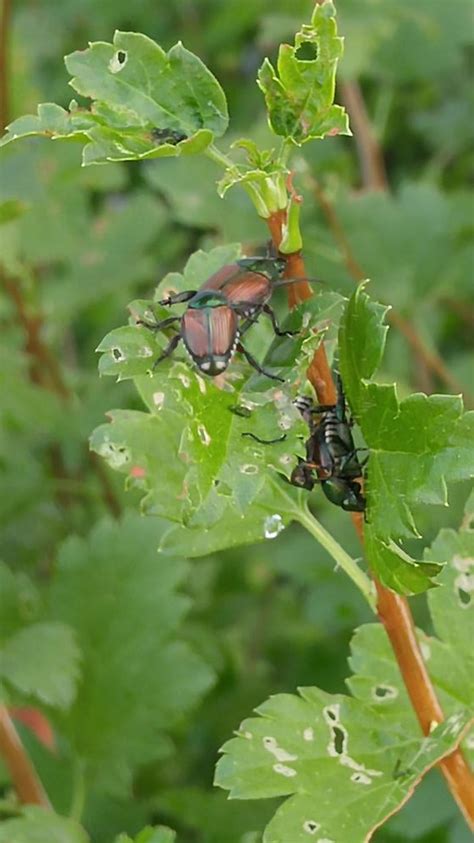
(345, 562)
(22, 773)
(219, 157)
(79, 792)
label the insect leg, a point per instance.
(178, 298)
(270, 312)
(168, 350)
(159, 326)
(266, 441)
(256, 365)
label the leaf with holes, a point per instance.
(416, 445)
(222, 486)
(347, 764)
(343, 770)
(145, 103)
(300, 94)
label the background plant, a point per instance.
(76, 244)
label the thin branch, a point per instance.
(22, 773)
(374, 174)
(45, 371)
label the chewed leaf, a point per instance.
(342, 769)
(300, 94)
(416, 445)
(145, 103)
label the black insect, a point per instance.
(220, 312)
(172, 136)
(331, 456)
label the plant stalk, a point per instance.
(22, 772)
(344, 561)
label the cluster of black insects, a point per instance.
(212, 327)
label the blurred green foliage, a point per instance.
(79, 244)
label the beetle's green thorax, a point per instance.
(272, 268)
(207, 298)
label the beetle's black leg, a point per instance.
(256, 365)
(159, 326)
(177, 298)
(266, 441)
(270, 312)
(168, 350)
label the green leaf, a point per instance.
(158, 834)
(136, 89)
(300, 94)
(221, 487)
(347, 763)
(120, 597)
(42, 660)
(416, 445)
(335, 759)
(39, 826)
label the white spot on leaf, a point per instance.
(203, 435)
(311, 827)
(284, 771)
(184, 380)
(463, 564)
(280, 754)
(158, 399)
(308, 734)
(116, 455)
(360, 778)
(249, 469)
(201, 384)
(382, 693)
(425, 650)
(118, 61)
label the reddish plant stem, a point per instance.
(393, 610)
(22, 773)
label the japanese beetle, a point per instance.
(330, 453)
(331, 456)
(220, 312)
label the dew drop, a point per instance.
(273, 525)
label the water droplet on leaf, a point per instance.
(273, 525)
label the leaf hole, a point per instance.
(339, 739)
(118, 61)
(306, 52)
(311, 827)
(384, 692)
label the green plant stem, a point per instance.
(219, 157)
(79, 792)
(345, 562)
